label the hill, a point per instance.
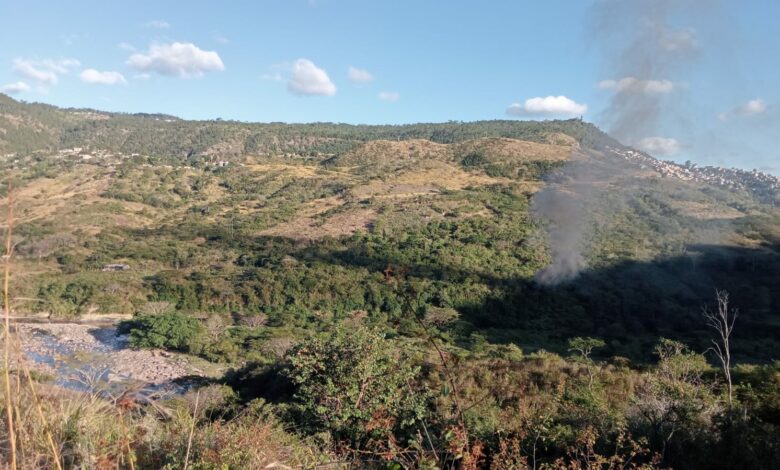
(298, 223)
(456, 295)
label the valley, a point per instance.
(278, 269)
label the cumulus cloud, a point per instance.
(157, 24)
(357, 75)
(46, 71)
(14, 88)
(102, 78)
(549, 105)
(308, 79)
(751, 108)
(659, 145)
(635, 85)
(182, 59)
(389, 96)
(756, 106)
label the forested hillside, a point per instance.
(283, 250)
(30, 127)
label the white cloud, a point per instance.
(308, 79)
(389, 96)
(274, 77)
(182, 59)
(549, 105)
(14, 88)
(61, 66)
(756, 106)
(126, 46)
(635, 85)
(103, 78)
(142, 76)
(751, 108)
(43, 71)
(221, 39)
(28, 70)
(659, 145)
(157, 24)
(357, 75)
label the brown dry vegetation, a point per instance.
(383, 151)
(705, 211)
(312, 228)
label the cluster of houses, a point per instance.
(98, 155)
(87, 154)
(733, 178)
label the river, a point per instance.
(92, 357)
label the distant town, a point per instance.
(754, 181)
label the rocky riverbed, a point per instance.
(84, 356)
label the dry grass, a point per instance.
(448, 177)
(93, 430)
(559, 138)
(62, 200)
(312, 228)
(9, 406)
(702, 211)
(297, 171)
(384, 152)
(15, 420)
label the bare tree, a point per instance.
(722, 321)
(255, 321)
(156, 307)
(216, 325)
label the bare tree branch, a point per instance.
(722, 321)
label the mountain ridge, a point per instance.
(27, 128)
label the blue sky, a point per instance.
(714, 98)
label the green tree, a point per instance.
(675, 405)
(173, 331)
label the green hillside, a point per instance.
(302, 233)
(380, 238)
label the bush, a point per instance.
(173, 331)
(353, 385)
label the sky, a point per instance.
(683, 79)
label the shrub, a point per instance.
(352, 384)
(173, 331)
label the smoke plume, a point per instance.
(647, 52)
(566, 222)
(649, 49)
(564, 206)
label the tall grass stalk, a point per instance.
(9, 406)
